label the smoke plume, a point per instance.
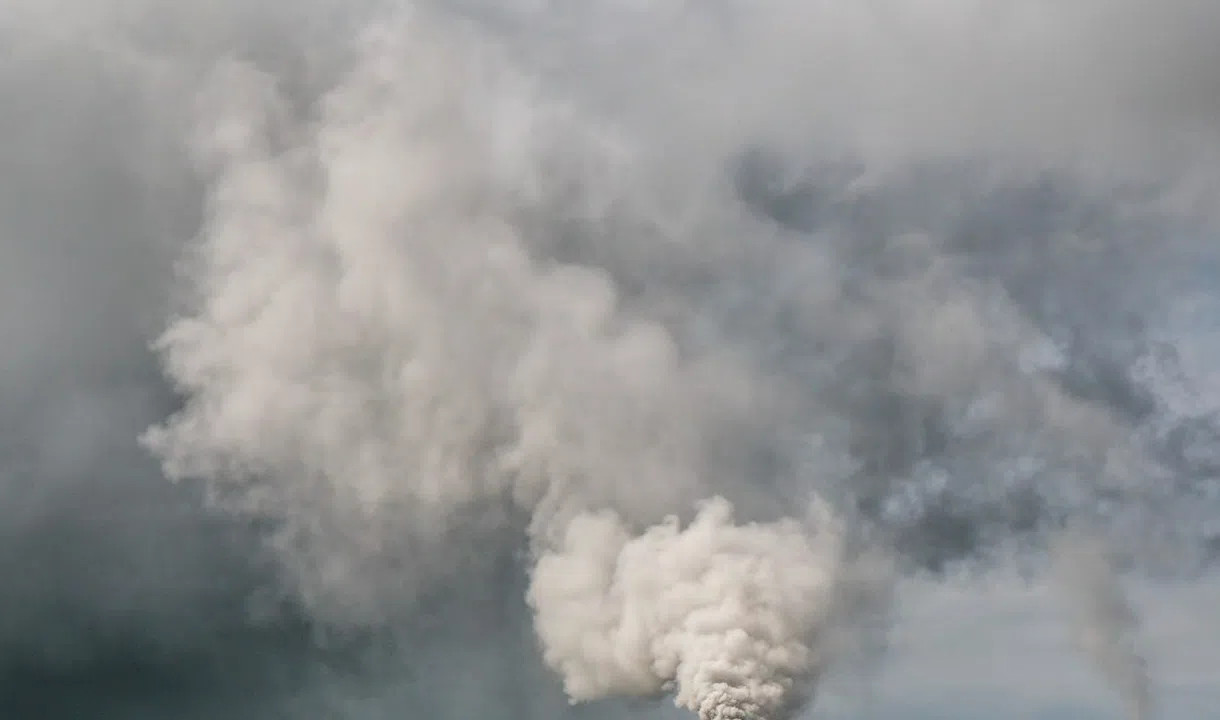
(726, 616)
(456, 297)
(496, 329)
(1106, 628)
(378, 357)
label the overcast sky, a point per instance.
(997, 648)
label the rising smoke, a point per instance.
(469, 276)
(725, 616)
(1105, 626)
(443, 366)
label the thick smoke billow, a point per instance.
(451, 317)
(381, 362)
(725, 616)
(1105, 626)
(377, 360)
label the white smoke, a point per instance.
(1104, 625)
(492, 268)
(728, 617)
(377, 361)
(464, 286)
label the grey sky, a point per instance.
(998, 646)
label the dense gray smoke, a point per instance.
(549, 320)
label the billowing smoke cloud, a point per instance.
(1105, 627)
(726, 616)
(379, 363)
(474, 276)
(449, 294)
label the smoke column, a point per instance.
(458, 296)
(476, 300)
(1105, 626)
(377, 358)
(724, 615)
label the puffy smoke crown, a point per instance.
(729, 617)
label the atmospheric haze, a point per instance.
(450, 357)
